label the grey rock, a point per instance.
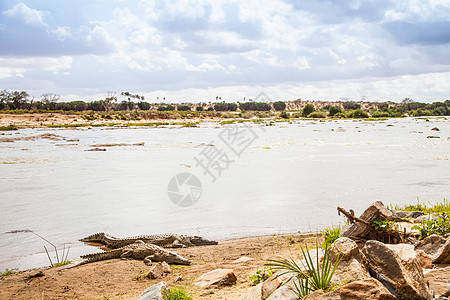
(154, 292)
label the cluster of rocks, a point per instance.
(366, 270)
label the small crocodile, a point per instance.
(163, 240)
(139, 250)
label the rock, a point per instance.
(439, 280)
(375, 211)
(407, 214)
(407, 254)
(398, 271)
(426, 262)
(438, 247)
(351, 266)
(365, 289)
(148, 261)
(158, 270)
(216, 277)
(155, 292)
(435, 129)
(243, 259)
(206, 293)
(178, 279)
(270, 285)
(254, 293)
(283, 293)
(96, 149)
(422, 218)
(433, 137)
(118, 145)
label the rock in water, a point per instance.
(402, 277)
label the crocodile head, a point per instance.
(200, 241)
(97, 237)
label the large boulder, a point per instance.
(401, 274)
(351, 266)
(154, 292)
(438, 247)
(216, 277)
(365, 289)
(375, 211)
(439, 280)
(368, 289)
(408, 254)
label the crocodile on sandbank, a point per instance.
(140, 250)
(163, 240)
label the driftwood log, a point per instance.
(364, 228)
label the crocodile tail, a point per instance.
(88, 258)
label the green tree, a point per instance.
(279, 105)
(309, 108)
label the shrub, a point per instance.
(334, 110)
(317, 114)
(358, 113)
(279, 105)
(199, 108)
(166, 108)
(183, 108)
(255, 106)
(309, 108)
(284, 115)
(441, 226)
(261, 275)
(176, 293)
(330, 235)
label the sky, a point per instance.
(191, 51)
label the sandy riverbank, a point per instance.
(122, 279)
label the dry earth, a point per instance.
(124, 279)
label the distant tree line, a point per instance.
(22, 101)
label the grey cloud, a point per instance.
(337, 11)
(432, 33)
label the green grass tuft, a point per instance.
(176, 293)
(9, 272)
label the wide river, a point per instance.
(281, 178)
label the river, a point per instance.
(288, 177)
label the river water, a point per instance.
(288, 177)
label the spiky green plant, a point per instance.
(312, 276)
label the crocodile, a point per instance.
(163, 240)
(139, 250)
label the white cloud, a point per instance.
(30, 15)
(9, 67)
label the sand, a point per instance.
(124, 279)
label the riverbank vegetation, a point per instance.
(127, 106)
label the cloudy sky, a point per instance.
(197, 50)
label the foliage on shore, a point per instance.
(133, 107)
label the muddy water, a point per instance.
(287, 178)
